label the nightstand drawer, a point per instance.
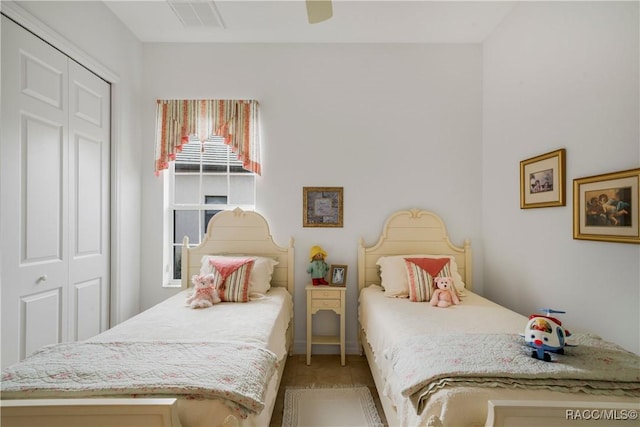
(325, 303)
(323, 293)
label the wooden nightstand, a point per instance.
(325, 298)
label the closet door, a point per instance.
(54, 168)
(89, 136)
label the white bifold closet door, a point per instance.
(54, 181)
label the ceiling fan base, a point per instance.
(319, 10)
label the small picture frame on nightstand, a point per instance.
(338, 275)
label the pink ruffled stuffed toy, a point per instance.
(444, 293)
(205, 293)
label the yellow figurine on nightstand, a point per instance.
(318, 267)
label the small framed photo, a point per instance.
(338, 275)
(322, 206)
(542, 181)
(605, 207)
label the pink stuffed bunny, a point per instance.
(444, 293)
(205, 293)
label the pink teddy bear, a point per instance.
(205, 293)
(444, 293)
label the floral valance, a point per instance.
(234, 120)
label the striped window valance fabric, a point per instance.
(234, 120)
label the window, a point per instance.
(205, 179)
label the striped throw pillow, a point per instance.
(420, 272)
(231, 276)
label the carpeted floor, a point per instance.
(324, 371)
(338, 406)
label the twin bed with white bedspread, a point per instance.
(220, 365)
(467, 364)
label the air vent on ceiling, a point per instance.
(197, 13)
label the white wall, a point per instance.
(561, 75)
(398, 126)
(92, 35)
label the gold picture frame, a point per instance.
(338, 275)
(606, 207)
(542, 180)
(322, 206)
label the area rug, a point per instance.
(329, 407)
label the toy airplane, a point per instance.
(545, 333)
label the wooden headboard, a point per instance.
(407, 232)
(239, 232)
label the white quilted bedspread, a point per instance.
(390, 321)
(425, 364)
(237, 373)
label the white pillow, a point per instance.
(260, 277)
(395, 280)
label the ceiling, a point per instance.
(353, 21)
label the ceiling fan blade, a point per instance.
(319, 10)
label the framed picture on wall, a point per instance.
(322, 206)
(338, 275)
(605, 207)
(542, 180)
